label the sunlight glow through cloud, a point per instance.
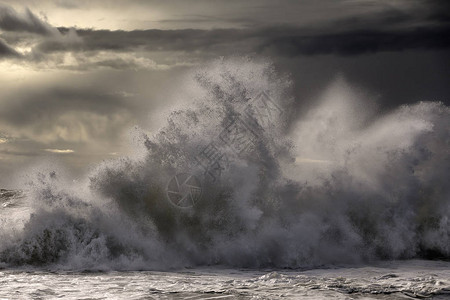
(62, 151)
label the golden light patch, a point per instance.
(61, 151)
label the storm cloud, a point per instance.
(281, 41)
(11, 20)
(387, 30)
(359, 42)
(6, 50)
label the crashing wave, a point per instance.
(236, 177)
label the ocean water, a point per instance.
(242, 194)
(411, 279)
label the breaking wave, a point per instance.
(238, 177)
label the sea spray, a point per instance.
(337, 185)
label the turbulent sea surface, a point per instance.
(412, 279)
(241, 194)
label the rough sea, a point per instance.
(241, 195)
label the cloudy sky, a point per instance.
(77, 75)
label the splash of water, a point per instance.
(338, 185)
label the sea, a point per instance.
(243, 193)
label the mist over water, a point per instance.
(337, 184)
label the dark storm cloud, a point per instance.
(195, 19)
(285, 41)
(358, 42)
(440, 10)
(11, 20)
(149, 40)
(6, 50)
(390, 29)
(387, 30)
(383, 31)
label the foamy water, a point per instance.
(393, 280)
(263, 186)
